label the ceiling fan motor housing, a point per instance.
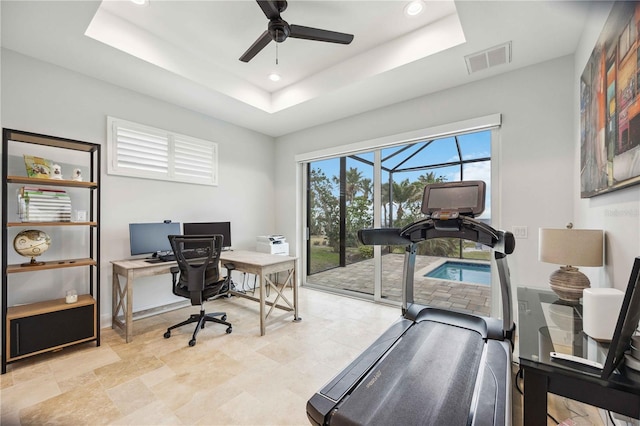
(279, 30)
(281, 5)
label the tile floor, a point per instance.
(226, 379)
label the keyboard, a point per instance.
(188, 254)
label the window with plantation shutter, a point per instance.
(140, 151)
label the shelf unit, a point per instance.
(49, 325)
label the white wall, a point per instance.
(618, 213)
(536, 149)
(43, 98)
(538, 160)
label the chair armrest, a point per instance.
(230, 266)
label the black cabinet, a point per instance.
(37, 333)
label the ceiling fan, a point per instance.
(279, 30)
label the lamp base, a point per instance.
(568, 283)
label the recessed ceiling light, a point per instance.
(140, 2)
(274, 77)
(414, 8)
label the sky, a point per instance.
(472, 146)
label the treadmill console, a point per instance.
(449, 200)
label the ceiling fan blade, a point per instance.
(272, 8)
(256, 47)
(307, 33)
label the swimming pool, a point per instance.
(476, 273)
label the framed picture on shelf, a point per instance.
(38, 167)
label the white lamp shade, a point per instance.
(575, 247)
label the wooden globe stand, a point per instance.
(33, 262)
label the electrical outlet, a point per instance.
(520, 231)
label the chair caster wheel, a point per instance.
(167, 334)
(224, 318)
(192, 342)
(229, 329)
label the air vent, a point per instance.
(492, 57)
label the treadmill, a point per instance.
(432, 366)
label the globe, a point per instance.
(31, 243)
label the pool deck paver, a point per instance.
(358, 277)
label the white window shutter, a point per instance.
(141, 151)
(195, 159)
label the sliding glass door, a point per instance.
(340, 202)
(384, 187)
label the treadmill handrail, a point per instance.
(464, 227)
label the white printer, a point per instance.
(272, 244)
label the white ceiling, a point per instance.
(186, 52)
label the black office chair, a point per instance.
(199, 278)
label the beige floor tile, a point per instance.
(28, 393)
(240, 378)
(36, 370)
(77, 381)
(85, 405)
(6, 380)
(10, 418)
(203, 403)
(130, 396)
(178, 390)
(158, 375)
(81, 362)
(122, 371)
(155, 414)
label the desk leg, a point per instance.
(294, 284)
(115, 297)
(535, 398)
(129, 314)
(121, 301)
(263, 284)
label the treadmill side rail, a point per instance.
(324, 401)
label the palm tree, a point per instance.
(352, 183)
(385, 201)
(366, 186)
(403, 193)
(424, 180)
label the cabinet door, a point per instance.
(50, 330)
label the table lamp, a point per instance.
(571, 248)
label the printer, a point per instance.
(272, 244)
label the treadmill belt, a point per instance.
(427, 378)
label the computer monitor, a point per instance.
(627, 322)
(145, 238)
(209, 228)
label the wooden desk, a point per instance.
(263, 265)
(260, 264)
